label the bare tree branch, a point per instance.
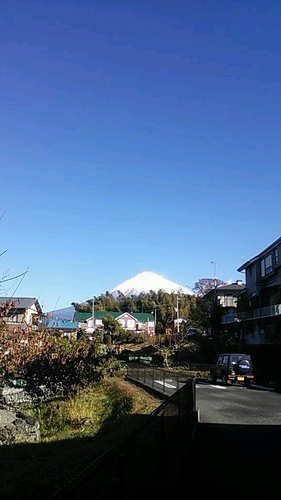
(14, 277)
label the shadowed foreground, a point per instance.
(239, 461)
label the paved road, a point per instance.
(237, 450)
(168, 385)
(235, 404)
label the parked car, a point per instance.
(233, 367)
(191, 332)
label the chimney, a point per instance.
(239, 282)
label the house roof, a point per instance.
(261, 254)
(139, 316)
(61, 324)
(22, 302)
(230, 288)
(142, 317)
(82, 316)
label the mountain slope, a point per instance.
(145, 282)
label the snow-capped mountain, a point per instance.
(146, 281)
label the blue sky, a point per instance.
(137, 136)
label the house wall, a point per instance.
(126, 321)
(227, 300)
(29, 314)
(256, 280)
(252, 276)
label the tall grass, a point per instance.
(86, 412)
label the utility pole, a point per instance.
(178, 325)
(215, 273)
(93, 312)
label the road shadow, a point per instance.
(238, 461)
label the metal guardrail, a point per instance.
(161, 380)
(150, 456)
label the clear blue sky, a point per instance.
(137, 136)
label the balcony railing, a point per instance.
(263, 312)
(229, 318)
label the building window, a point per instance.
(276, 256)
(266, 266)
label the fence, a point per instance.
(159, 379)
(150, 457)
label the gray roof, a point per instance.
(261, 254)
(20, 302)
(230, 288)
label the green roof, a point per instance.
(143, 316)
(102, 314)
(83, 316)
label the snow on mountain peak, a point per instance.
(145, 282)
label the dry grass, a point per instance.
(195, 370)
(74, 433)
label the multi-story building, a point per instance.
(226, 296)
(260, 304)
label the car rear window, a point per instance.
(234, 359)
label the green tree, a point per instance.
(117, 333)
(204, 285)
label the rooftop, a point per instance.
(259, 255)
(21, 302)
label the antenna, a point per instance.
(56, 305)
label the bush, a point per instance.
(50, 359)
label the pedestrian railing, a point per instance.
(162, 380)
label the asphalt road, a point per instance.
(168, 385)
(235, 404)
(237, 449)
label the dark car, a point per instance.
(233, 367)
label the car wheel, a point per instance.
(224, 379)
(213, 378)
(247, 383)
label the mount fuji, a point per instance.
(147, 281)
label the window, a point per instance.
(266, 266)
(251, 270)
(225, 360)
(276, 256)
